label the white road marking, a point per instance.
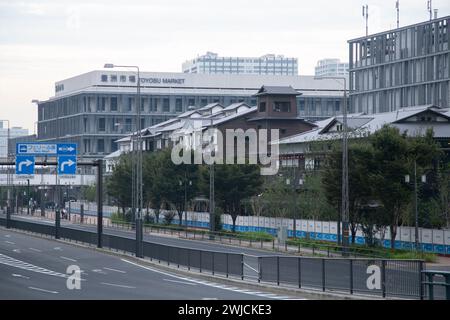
(19, 276)
(210, 299)
(43, 290)
(98, 271)
(17, 250)
(117, 285)
(70, 259)
(211, 284)
(111, 269)
(57, 248)
(9, 261)
(33, 249)
(7, 235)
(9, 242)
(183, 282)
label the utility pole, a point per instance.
(28, 196)
(136, 156)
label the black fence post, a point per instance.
(227, 263)
(421, 295)
(57, 223)
(278, 270)
(323, 274)
(189, 259)
(200, 261)
(259, 269)
(242, 267)
(8, 217)
(430, 286)
(213, 263)
(168, 255)
(299, 272)
(100, 202)
(383, 278)
(351, 276)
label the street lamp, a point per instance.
(345, 205)
(416, 211)
(136, 172)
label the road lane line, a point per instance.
(7, 236)
(70, 259)
(111, 269)
(117, 285)
(33, 249)
(9, 242)
(183, 282)
(215, 285)
(19, 276)
(17, 250)
(43, 290)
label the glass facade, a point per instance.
(400, 68)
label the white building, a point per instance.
(97, 108)
(212, 63)
(13, 133)
(331, 68)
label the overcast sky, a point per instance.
(45, 41)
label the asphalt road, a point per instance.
(399, 279)
(35, 268)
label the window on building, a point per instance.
(113, 146)
(113, 78)
(128, 124)
(100, 145)
(113, 103)
(262, 107)
(85, 125)
(142, 123)
(123, 78)
(178, 105)
(132, 78)
(101, 124)
(283, 131)
(282, 106)
(302, 105)
(337, 106)
(130, 104)
(166, 105)
(191, 102)
(142, 104)
(104, 78)
(203, 102)
(87, 145)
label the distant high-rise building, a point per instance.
(331, 68)
(13, 133)
(212, 63)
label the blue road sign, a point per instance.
(24, 164)
(46, 149)
(67, 149)
(67, 165)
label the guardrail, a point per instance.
(430, 276)
(378, 277)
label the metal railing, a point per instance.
(430, 283)
(377, 277)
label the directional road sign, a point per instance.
(67, 165)
(24, 164)
(66, 148)
(46, 149)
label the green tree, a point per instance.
(361, 166)
(233, 184)
(118, 185)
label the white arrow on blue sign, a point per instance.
(67, 165)
(24, 165)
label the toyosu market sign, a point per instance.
(162, 80)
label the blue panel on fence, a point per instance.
(407, 245)
(333, 237)
(448, 250)
(360, 240)
(319, 236)
(387, 243)
(438, 248)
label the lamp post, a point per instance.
(8, 174)
(136, 172)
(416, 211)
(344, 197)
